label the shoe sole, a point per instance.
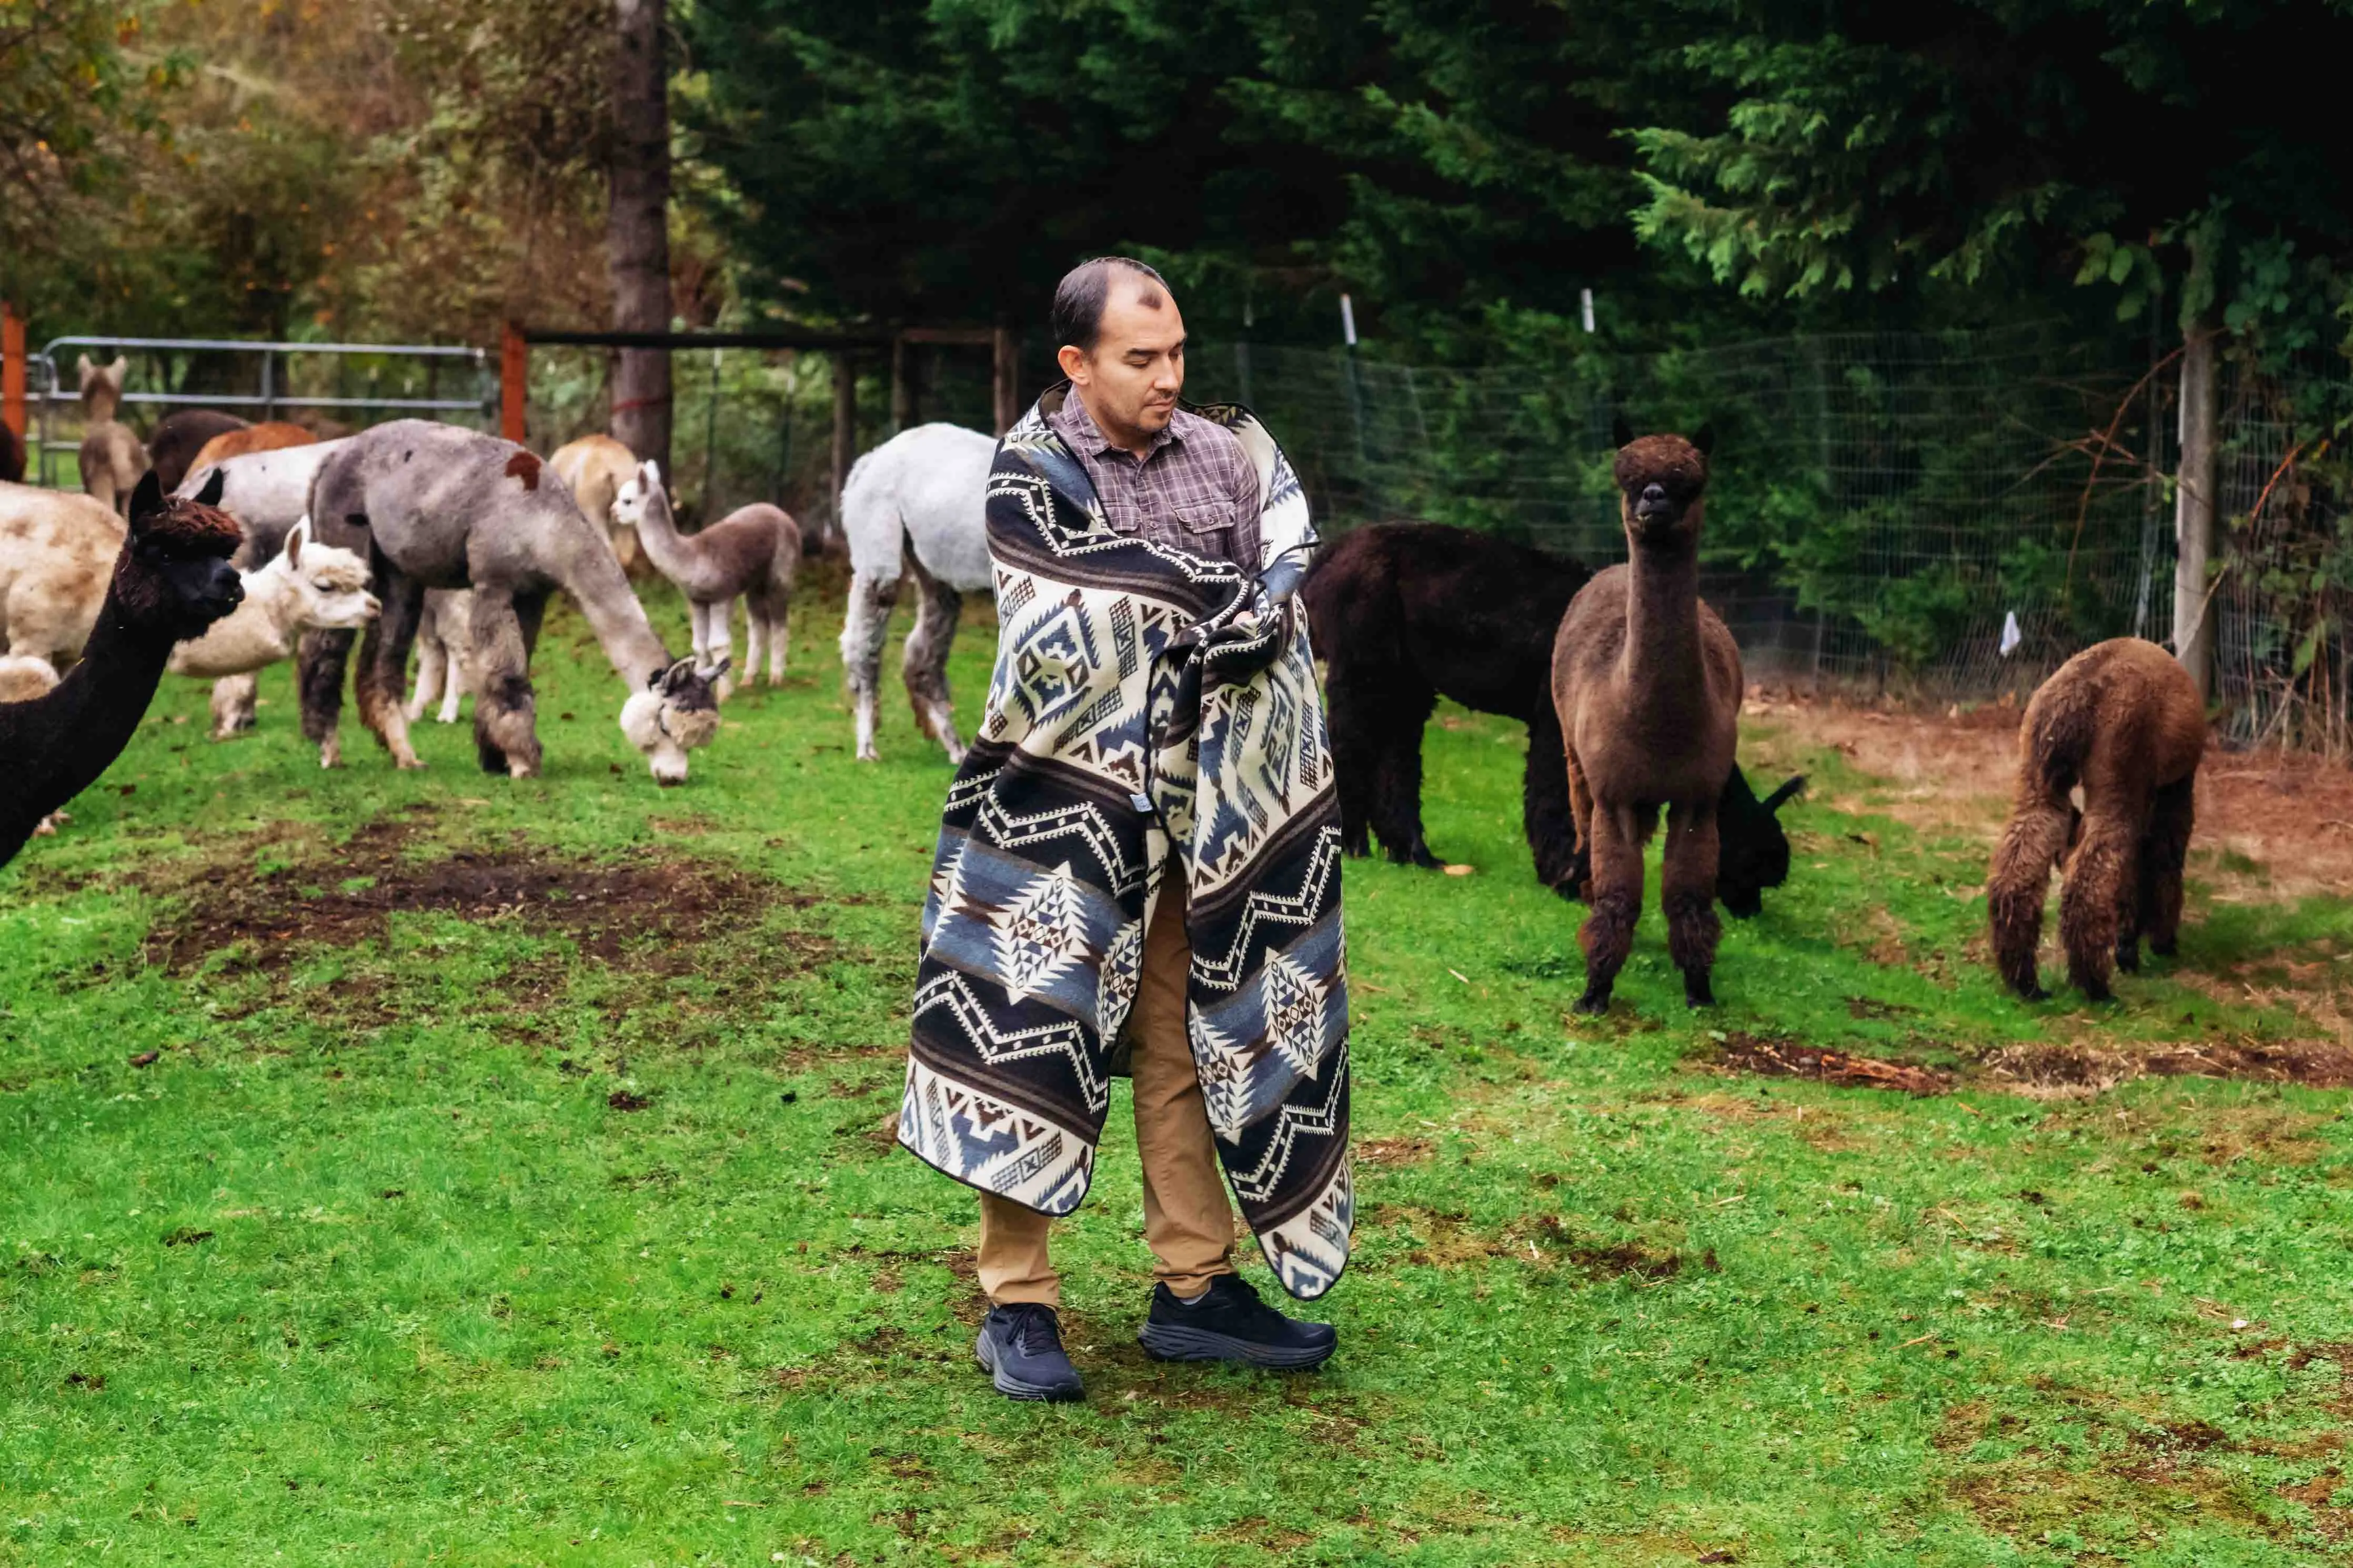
(1170, 1341)
(1013, 1388)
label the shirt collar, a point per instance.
(1082, 431)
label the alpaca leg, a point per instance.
(1353, 704)
(1397, 781)
(233, 703)
(1615, 841)
(1577, 880)
(698, 615)
(870, 598)
(384, 662)
(2093, 898)
(2017, 883)
(430, 672)
(1688, 883)
(457, 678)
(756, 642)
(2163, 849)
(1544, 803)
(719, 627)
(320, 658)
(780, 626)
(923, 664)
(505, 732)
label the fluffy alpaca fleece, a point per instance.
(594, 469)
(172, 580)
(57, 552)
(271, 436)
(1647, 683)
(753, 553)
(914, 505)
(669, 720)
(1404, 613)
(2122, 719)
(445, 670)
(439, 506)
(305, 587)
(112, 457)
(176, 439)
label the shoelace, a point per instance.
(1034, 1329)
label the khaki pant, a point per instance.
(1188, 1221)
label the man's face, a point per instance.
(1132, 378)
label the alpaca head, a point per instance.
(1660, 482)
(101, 386)
(330, 585)
(638, 492)
(1754, 852)
(174, 575)
(674, 715)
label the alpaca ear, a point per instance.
(146, 500)
(1737, 790)
(294, 540)
(1787, 793)
(214, 488)
(650, 476)
(119, 369)
(1622, 433)
(1702, 439)
(83, 368)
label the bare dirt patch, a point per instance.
(647, 916)
(2061, 1071)
(2290, 814)
(1788, 1058)
(1447, 1240)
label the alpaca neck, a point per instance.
(596, 583)
(673, 554)
(99, 404)
(1662, 647)
(58, 745)
(258, 632)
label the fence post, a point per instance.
(1006, 380)
(2193, 514)
(514, 385)
(12, 370)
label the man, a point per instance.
(1153, 742)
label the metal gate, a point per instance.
(274, 387)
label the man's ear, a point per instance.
(1074, 362)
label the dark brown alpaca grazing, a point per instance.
(2122, 718)
(172, 449)
(172, 580)
(1647, 684)
(1405, 613)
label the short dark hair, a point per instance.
(1080, 296)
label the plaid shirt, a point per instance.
(1194, 491)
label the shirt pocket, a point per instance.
(1207, 527)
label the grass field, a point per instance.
(406, 1168)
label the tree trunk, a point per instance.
(2193, 514)
(638, 226)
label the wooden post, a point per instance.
(12, 370)
(845, 429)
(1007, 383)
(514, 385)
(2193, 514)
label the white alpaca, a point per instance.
(57, 552)
(917, 503)
(305, 587)
(445, 669)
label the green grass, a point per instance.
(368, 1267)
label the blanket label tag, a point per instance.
(1142, 804)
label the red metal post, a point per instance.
(12, 369)
(515, 378)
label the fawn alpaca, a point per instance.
(1647, 682)
(751, 553)
(112, 457)
(2123, 720)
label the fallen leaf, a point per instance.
(146, 1059)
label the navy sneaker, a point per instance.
(1231, 1323)
(1020, 1347)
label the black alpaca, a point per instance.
(1404, 613)
(172, 580)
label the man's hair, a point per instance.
(1084, 290)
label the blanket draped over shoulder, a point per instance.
(1146, 700)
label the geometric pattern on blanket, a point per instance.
(1147, 706)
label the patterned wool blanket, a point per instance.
(1145, 700)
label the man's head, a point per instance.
(1122, 342)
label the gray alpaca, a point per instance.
(436, 506)
(751, 553)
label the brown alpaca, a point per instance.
(176, 439)
(274, 436)
(1647, 683)
(172, 580)
(112, 457)
(2122, 718)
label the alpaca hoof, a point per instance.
(2128, 960)
(1698, 992)
(2165, 949)
(2095, 991)
(1593, 1003)
(409, 765)
(2031, 991)
(520, 770)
